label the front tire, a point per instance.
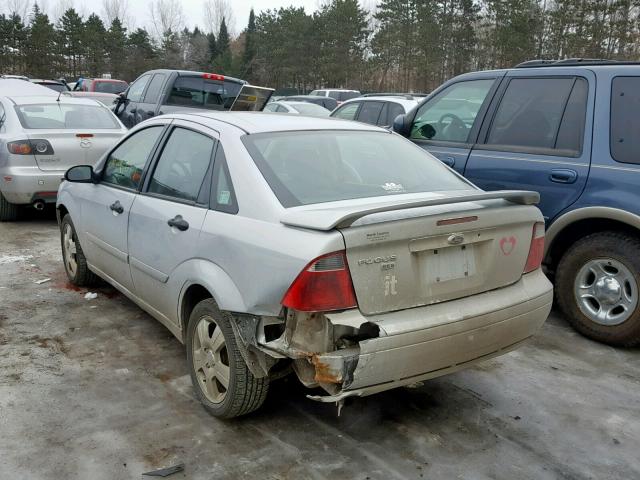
(8, 211)
(75, 263)
(220, 376)
(597, 287)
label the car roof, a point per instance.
(10, 87)
(261, 122)
(46, 80)
(335, 90)
(190, 73)
(405, 102)
(296, 102)
(64, 99)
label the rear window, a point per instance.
(196, 92)
(60, 115)
(311, 109)
(625, 119)
(324, 166)
(110, 87)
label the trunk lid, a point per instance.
(73, 147)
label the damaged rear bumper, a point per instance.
(426, 342)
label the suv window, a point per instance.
(137, 88)
(370, 112)
(625, 120)
(153, 92)
(395, 109)
(348, 111)
(126, 163)
(224, 197)
(531, 112)
(182, 166)
(200, 93)
(450, 115)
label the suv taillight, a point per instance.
(324, 285)
(536, 250)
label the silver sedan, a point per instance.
(341, 251)
(42, 134)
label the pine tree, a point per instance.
(40, 46)
(94, 35)
(71, 39)
(223, 60)
(249, 53)
(116, 41)
(141, 55)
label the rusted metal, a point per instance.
(325, 373)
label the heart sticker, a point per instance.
(507, 245)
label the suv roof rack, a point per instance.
(572, 62)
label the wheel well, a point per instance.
(580, 229)
(194, 295)
(61, 211)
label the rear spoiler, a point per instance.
(330, 218)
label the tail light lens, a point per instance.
(27, 147)
(324, 285)
(536, 250)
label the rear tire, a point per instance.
(75, 263)
(597, 287)
(8, 211)
(221, 379)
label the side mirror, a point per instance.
(402, 125)
(119, 101)
(80, 174)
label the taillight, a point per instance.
(324, 285)
(536, 250)
(27, 147)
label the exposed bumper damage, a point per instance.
(348, 354)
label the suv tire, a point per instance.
(75, 263)
(581, 293)
(214, 360)
(8, 211)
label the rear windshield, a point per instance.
(303, 168)
(196, 92)
(311, 109)
(110, 87)
(60, 115)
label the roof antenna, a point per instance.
(58, 99)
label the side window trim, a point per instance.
(220, 166)
(155, 158)
(481, 117)
(493, 110)
(147, 164)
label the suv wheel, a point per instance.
(75, 263)
(221, 378)
(8, 211)
(597, 287)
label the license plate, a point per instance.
(450, 263)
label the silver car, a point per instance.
(297, 108)
(337, 249)
(42, 134)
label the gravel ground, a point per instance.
(97, 389)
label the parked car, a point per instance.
(166, 91)
(41, 136)
(299, 108)
(107, 99)
(14, 77)
(325, 102)
(55, 85)
(268, 241)
(566, 129)
(375, 109)
(339, 94)
(101, 85)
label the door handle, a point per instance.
(562, 175)
(450, 161)
(117, 207)
(179, 223)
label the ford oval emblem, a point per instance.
(455, 239)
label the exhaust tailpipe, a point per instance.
(38, 205)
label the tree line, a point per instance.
(398, 45)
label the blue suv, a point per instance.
(569, 129)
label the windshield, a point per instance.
(325, 166)
(110, 87)
(61, 116)
(310, 109)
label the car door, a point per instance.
(167, 217)
(106, 205)
(129, 113)
(149, 103)
(536, 137)
(447, 123)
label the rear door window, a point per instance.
(531, 113)
(182, 166)
(370, 112)
(625, 120)
(451, 114)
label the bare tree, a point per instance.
(167, 15)
(21, 7)
(61, 7)
(214, 12)
(112, 9)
